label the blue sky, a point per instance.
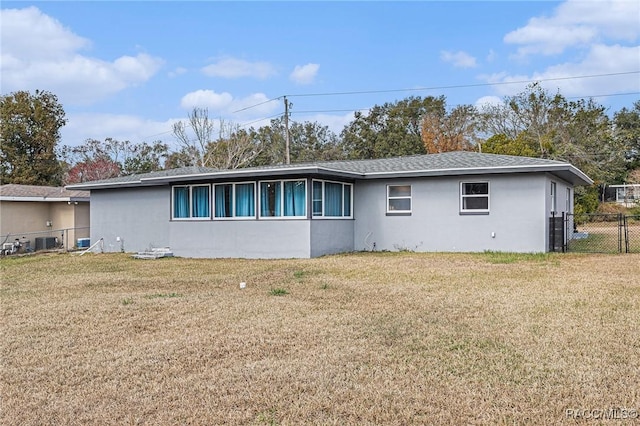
(128, 70)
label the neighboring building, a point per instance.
(457, 201)
(29, 212)
(627, 194)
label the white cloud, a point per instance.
(82, 126)
(488, 100)
(178, 71)
(39, 53)
(600, 60)
(578, 24)
(206, 99)
(458, 59)
(225, 105)
(235, 68)
(304, 74)
(34, 34)
(335, 123)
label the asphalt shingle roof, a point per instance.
(449, 163)
(34, 191)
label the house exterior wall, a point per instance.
(329, 236)
(82, 222)
(517, 219)
(23, 217)
(30, 218)
(139, 216)
(262, 239)
(147, 224)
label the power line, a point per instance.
(455, 86)
(463, 86)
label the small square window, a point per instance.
(398, 199)
(474, 197)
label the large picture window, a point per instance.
(234, 200)
(399, 199)
(191, 202)
(331, 199)
(474, 197)
(283, 198)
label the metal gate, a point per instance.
(595, 233)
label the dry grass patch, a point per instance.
(371, 338)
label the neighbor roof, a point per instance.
(15, 192)
(443, 164)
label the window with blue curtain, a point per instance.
(200, 201)
(333, 199)
(347, 199)
(317, 198)
(191, 202)
(270, 199)
(180, 202)
(295, 200)
(223, 200)
(245, 200)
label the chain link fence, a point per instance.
(602, 233)
(56, 239)
(632, 233)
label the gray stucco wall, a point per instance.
(241, 238)
(330, 236)
(141, 218)
(138, 216)
(517, 220)
(520, 206)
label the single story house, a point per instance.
(28, 212)
(456, 201)
(627, 194)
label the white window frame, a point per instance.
(323, 215)
(463, 196)
(233, 201)
(190, 217)
(568, 200)
(282, 216)
(402, 197)
(553, 192)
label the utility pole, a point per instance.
(286, 129)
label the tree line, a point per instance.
(535, 123)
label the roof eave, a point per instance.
(568, 172)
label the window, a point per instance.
(568, 201)
(283, 198)
(474, 197)
(234, 200)
(331, 199)
(553, 198)
(191, 202)
(398, 199)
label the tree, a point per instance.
(453, 131)
(578, 132)
(501, 144)
(234, 148)
(533, 111)
(29, 131)
(112, 158)
(93, 169)
(195, 142)
(390, 130)
(309, 141)
(627, 132)
(145, 158)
